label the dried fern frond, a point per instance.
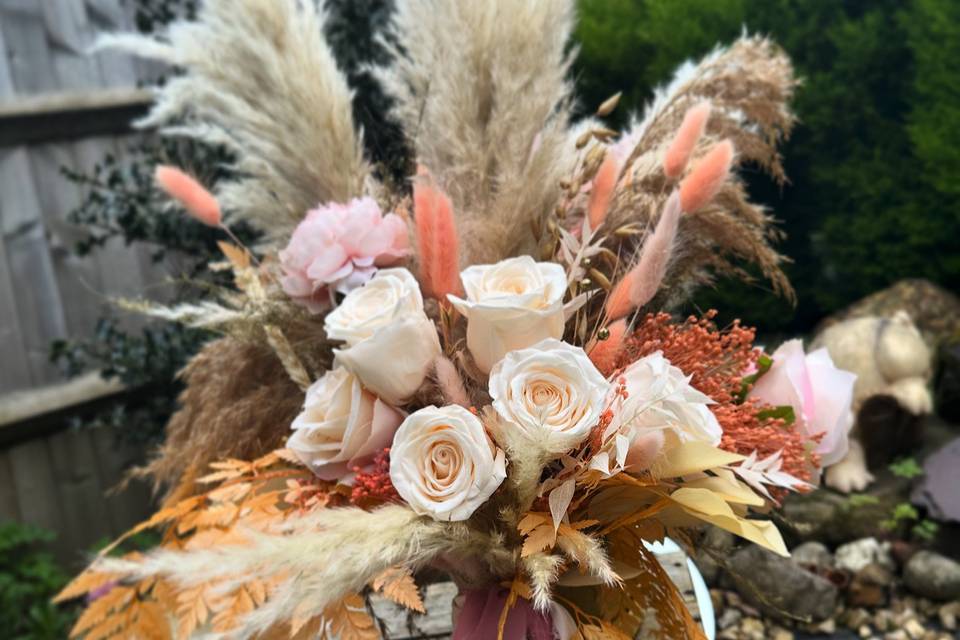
(261, 80)
(481, 91)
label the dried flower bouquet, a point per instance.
(486, 378)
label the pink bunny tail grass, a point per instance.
(437, 241)
(198, 202)
(604, 354)
(601, 194)
(618, 302)
(642, 282)
(706, 179)
(693, 125)
(450, 382)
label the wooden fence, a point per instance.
(60, 107)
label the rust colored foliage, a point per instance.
(717, 360)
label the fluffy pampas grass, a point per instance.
(481, 92)
(238, 402)
(301, 553)
(260, 79)
(748, 86)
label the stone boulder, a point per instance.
(933, 576)
(779, 586)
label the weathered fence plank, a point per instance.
(134, 503)
(60, 107)
(85, 512)
(9, 507)
(38, 305)
(15, 372)
(37, 496)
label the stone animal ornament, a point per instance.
(890, 358)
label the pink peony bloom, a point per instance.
(338, 247)
(819, 392)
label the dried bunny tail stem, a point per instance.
(707, 177)
(260, 79)
(605, 354)
(543, 570)
(185, 189)
(641, 283)
(437, 242)
(486, 107)
(604, 184)
(319, 557)
(450, 382)
(691, 129)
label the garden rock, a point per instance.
(933, 576)
(856, 555)
(870, 586)
(812, 554)
(777, 585)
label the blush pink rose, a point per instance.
(338, 247)
(342, 426)
(820, 394)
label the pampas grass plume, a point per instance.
(641, 283)
(605, 353)
(601, 194)
(437, 240)
(693, 125)
(707, 177)
(198, 202)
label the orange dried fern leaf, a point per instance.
(397, 584)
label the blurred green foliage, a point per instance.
(29, 578)
(872, 163)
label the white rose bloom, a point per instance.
(391, 343)
(551, 392)
(443, 464)
(511, 305)
(342, 426)
(660, 397)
